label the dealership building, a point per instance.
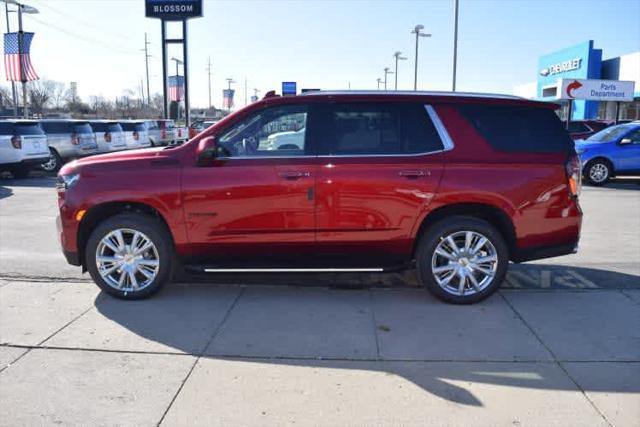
(584, 61)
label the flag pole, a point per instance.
(13, 83)
(23, 77)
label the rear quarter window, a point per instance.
(58, 127)
(28, 129)
(519, 129)
(83, 128)
(114, 127)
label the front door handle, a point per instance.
(412, 173)
(293, 174)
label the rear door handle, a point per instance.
(293, 174)
(413, 173)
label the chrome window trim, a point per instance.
(445, 138)
(447, 142)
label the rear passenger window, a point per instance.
(28, 129)
(519, 129)
(378, 129)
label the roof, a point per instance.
(411, 93)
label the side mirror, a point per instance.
(206, 151)
(625, 141)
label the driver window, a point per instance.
(278, 131)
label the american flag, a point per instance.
(227, 98)
(176, 88)
(13, 58)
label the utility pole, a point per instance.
(418, 34)
(379, 80)
(13, 84)
(455, 43)
(398, 58)
(386, 71)
(209, 76)
(146, 62)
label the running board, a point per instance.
(293, 270)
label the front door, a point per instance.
(255, 206)
(628, 155)
(380, 166)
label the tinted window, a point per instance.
(278, 131)
(634, 136)
(140, 127)
(6, 128)
(114, 127)
(519, 129)
(83, 128)
(377, 129)
(152, 125)
(58, 127)
(128, 126)
(28, 129)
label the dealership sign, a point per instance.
(173, 10)
(561, 67)
(596, 90)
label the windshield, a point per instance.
(609, 134)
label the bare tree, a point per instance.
(59, 91)
(39, 95)
(6, 100)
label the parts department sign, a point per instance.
(173, 10)
(596, 90)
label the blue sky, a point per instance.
(325, 44)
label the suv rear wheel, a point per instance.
(462, 260)
(129, 256)
(55, 162)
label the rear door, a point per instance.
(380, 166)
(34, 141)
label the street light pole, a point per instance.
(386, 71)
(146, 62)
(398, 58)
(418, 34)
(23, 77)
(455, 42)
(209, 74)
(379, 80)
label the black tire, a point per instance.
(20, 172)
(435, 234)
(54, 164)
(154, 230)
(592, 177)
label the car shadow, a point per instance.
(297, 321)
(36, 179)
(621, 183)
(5, 192)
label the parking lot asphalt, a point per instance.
(559, 344)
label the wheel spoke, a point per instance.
(445, 254)
(485, 259)
(134, 240)
(452, 245)
(483, 270)
(468, 239)
(444, 268)
(120, 239)
(145, 273)
(446, 280)
(107, 271)
(132, 279)
(143, 249)
(152, 262)
(474, 282)
(109, 259)
(481, 242)
(123, 275)
(461, 284)
(108, 243)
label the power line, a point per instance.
(82, 37)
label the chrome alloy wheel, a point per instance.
(127, 260)
(464, 263)
(598, 172)
(51, 164)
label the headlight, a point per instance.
(65, 182)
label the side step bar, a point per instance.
(292, 270)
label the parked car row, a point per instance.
(50, 143)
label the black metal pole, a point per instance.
(165, 104)
(569, 108)
(185, 72)
(23, 77)
(617, 112)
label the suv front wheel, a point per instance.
(462, 260)
(129, 256)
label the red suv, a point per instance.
(454, 184)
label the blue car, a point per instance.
(614, 151)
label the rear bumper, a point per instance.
(72, 257)
(540, 252)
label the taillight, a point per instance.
(574, 175)
(16, 141)
(179, 132)
(75, 139)
(107, 137)
(135, 135)
(192, 132)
